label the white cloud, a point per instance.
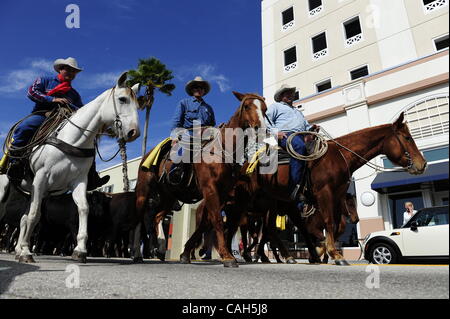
(207, 72)
(17, 80)
(98, 80)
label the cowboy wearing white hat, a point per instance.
(188, 110)
(283, 120)
(47, 92)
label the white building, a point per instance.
(360, 63)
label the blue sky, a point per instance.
(219, 40)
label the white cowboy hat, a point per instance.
(284, 88)
(69, 61)
(197, 81)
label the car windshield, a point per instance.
(433, 216)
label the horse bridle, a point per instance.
(406, 153)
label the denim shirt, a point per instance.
(37, 92)
(191, 109)
(285, 118)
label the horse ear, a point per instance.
(238, 95)
(399, 122)
(135, 88)
(122, 79)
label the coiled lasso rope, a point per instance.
(319, 150)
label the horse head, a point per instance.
(251, 111)
(401, 149)
(121, 110)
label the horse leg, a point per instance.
(32, 218)
(196, 237)
(80, 199)
(160, 238)
(273, 235)
(328, 210)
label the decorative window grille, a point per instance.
(433, 5)
(428, 117)
(290, 59)
(288, 19)
(315, 7)
(319, 44)
(353, 32)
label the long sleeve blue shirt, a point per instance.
(285, 118)
(189, 110)
(38, 94)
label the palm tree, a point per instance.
(154, 75)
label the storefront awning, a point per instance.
(434, 172)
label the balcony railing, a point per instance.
(320, 54)
(353, 40)
(315, 11)
(290, 67)
(289, 25)
(435, 5)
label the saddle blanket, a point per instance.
(152, 159)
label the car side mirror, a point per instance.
(414, 226)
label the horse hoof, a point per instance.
(79, 256)
(161, 256)
(184, 259)
(341, 262)
(138, 260)
(17, 257)
(26, 259)
(230, 263)
(291, 260)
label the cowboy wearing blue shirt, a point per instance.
(193, 108)
(47, 93)
(283, 120)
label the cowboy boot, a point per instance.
(94, 180)
(16, 169)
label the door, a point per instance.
(431, 236)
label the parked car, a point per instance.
(423, 238)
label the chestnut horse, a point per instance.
(331, 173)
(214, 179)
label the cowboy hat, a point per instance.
(284, 88)
(197, 81)
(69, 61)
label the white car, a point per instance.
(423, 237)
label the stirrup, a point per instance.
(308, 210)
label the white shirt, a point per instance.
(407, 217)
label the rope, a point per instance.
(49, 126)
(371, 165)
(320, 147)
(123, 155)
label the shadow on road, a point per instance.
(9, 270)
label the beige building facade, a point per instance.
(360, 63)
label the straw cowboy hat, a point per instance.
(197, 81)
(284, 88)
(69, 61)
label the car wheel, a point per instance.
(382, 253)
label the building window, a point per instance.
(359, 72)
(288, 19)
(323, 86)
(353, 32)
(441, 43)
(290, 59)
(133, 184)
(107, 189)
(433, 5)
(315, 7)
(428, 117)
(319, 44)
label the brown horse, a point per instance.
(214, 178)
(331, 173)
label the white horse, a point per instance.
(57, 172)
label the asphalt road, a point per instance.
(59, 277)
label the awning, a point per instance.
(434, 172)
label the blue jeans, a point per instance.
(25, 130)
(296, 166)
